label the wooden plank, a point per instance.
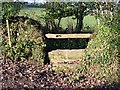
(60, 36)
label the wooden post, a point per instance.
(97, 12)
(7, 22)
(106, 7)
(102, 13)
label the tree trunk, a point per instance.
(59, 22)
(8, 29)
(80, 22)
(54, 27)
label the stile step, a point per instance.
(59, 57)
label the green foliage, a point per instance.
(0, 12)
(102, 52)
(27, 41)
(89, 21)
(59, 10)
(10, 9)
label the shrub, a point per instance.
(27, 41)
(102, 53)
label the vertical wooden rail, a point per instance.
(7, 22)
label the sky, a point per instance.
(32, 1)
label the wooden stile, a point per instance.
(60, 36)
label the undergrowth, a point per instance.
(27, 41)
(102, 53)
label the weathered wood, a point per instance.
(8, 28)
(60, 36)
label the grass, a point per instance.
(34, 13)
(37, 13)
(89, 21)
(67, 21)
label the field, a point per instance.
(37, 13)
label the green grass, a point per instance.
(67, 21)
(36, 13)
(32, 12)
(89, 21)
